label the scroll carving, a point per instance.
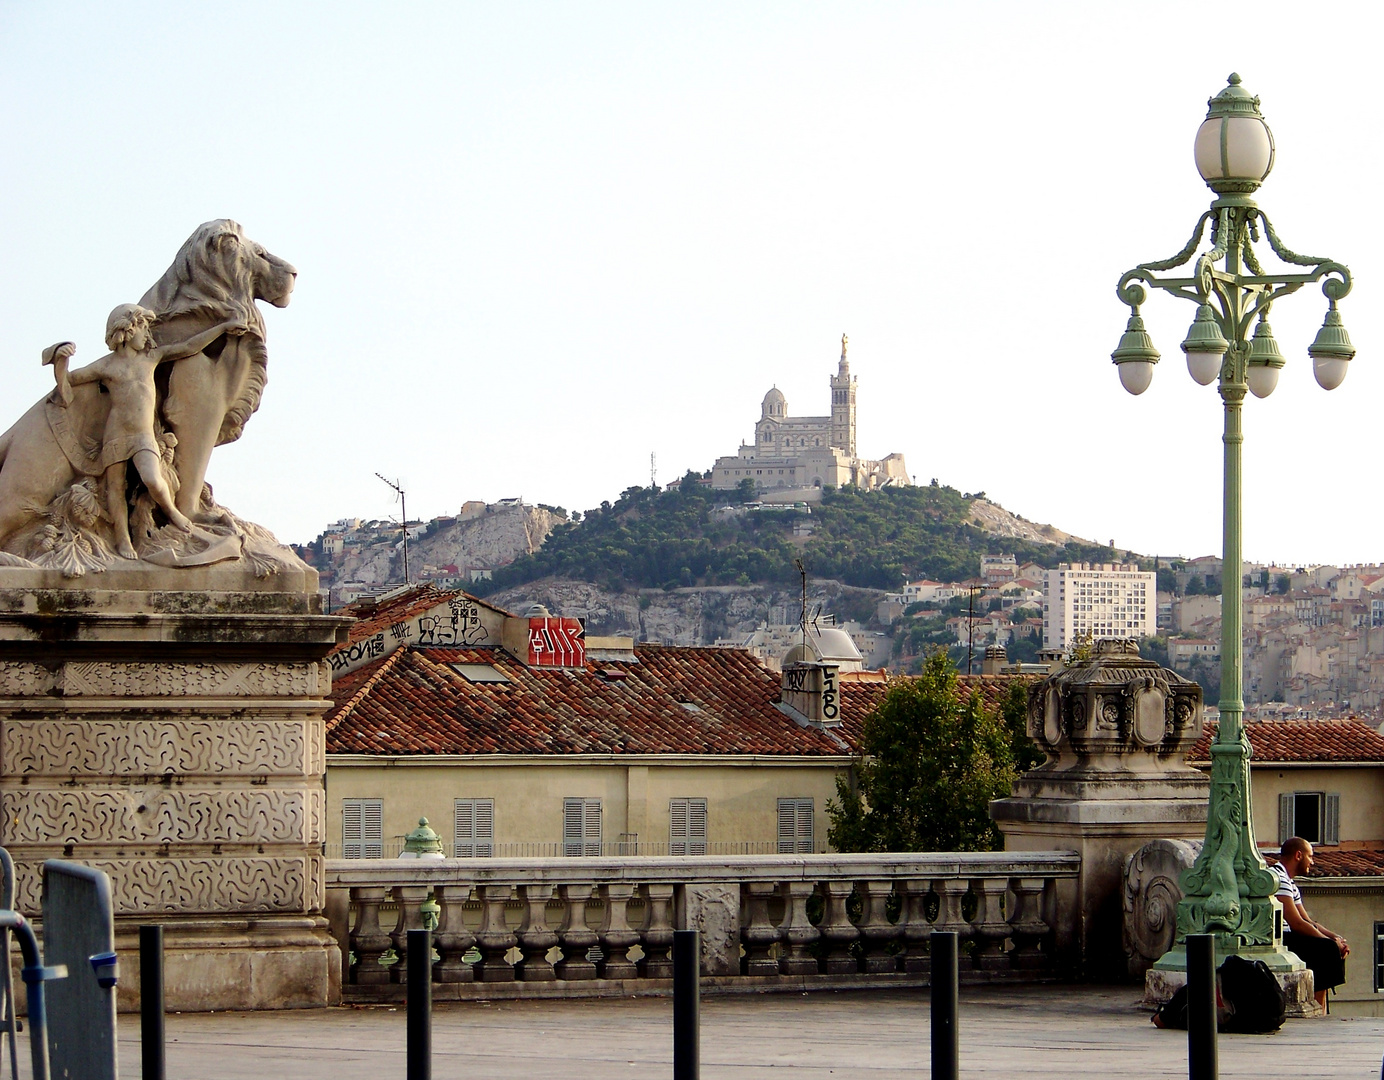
(158, 815)
(144, 747)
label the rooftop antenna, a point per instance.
(653, 469)
(803, 618)
(397, 485)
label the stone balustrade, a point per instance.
(591, 926)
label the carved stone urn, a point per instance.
(1115, 711)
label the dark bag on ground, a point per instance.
(1249, 1000)
(1258, 1004)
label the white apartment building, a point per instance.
(1106, 600)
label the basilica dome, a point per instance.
(775, 404)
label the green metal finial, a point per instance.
(1234, 100)
(422, 841)
(431, 912)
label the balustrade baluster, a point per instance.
(576, 937)
(535, 936)
(657, 932)
(410, 900)
(616, 935)
(991, 927)
(797, 932)
(876, 931)
(1027, 925)
(917, 931)
(759, 934)
(494, 938)
(453, 939)
(837, 930)
(368, 940)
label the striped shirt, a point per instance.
(1287, 887)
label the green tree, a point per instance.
(1282, 584)
(931, 761)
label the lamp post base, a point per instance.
(1161, 982)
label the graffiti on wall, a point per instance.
(556, 642)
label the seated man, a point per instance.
(1323, 951)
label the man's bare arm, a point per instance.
(182, 349)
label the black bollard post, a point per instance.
(1201, 1007)
(419, 1005)
(687, 1020)
(946, 978)
(151, 1008)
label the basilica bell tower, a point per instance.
(843, 406)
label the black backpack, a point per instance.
(1249, 1000)
(1251, 990)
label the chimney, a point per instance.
(995, 660)
(811, 694)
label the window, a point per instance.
(362, 828)
(1313, 815)
(475, 828)
(581, 826)
(795, 826)
(686, 826)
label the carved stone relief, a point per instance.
(159, 815)
(193, 886)
(142, 747)
(22, 679)
(193, 680)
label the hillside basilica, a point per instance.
(808, 451)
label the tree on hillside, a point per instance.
(931, 761)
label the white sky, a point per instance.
(537, 242)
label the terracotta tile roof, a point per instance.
(859, 699)
(672, 700)
(1330, 862)
(372, 617)
(1302, 741)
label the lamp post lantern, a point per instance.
(1229, 892)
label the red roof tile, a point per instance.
(859, 699)
(1330, 862)
(372, 617)
(671, 701)
(1295, 741)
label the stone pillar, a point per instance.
(165, 726)
(1116, 730)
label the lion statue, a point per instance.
(203, 400)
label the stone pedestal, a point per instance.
(1116, 729)
(165, 726)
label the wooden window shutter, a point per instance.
(572, 815)
(787, 826)
(465, 830)
(372, 828)
(485, 828)
(805, 826)
(696, 826)
(350, 828)
(592, 830)
(677, 826)
(1331, 819)
(1285, 817)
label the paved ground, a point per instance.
(1011, 1032)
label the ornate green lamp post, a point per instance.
(1229, 892)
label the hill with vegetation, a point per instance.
(690, 535)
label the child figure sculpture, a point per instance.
(127, 374)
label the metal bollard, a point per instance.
(687, 989)
(151, 1007)
(419, 1005)
(946, 978)
(1201, 1007)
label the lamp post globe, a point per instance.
(1234, 148)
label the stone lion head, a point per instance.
(218, 274)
